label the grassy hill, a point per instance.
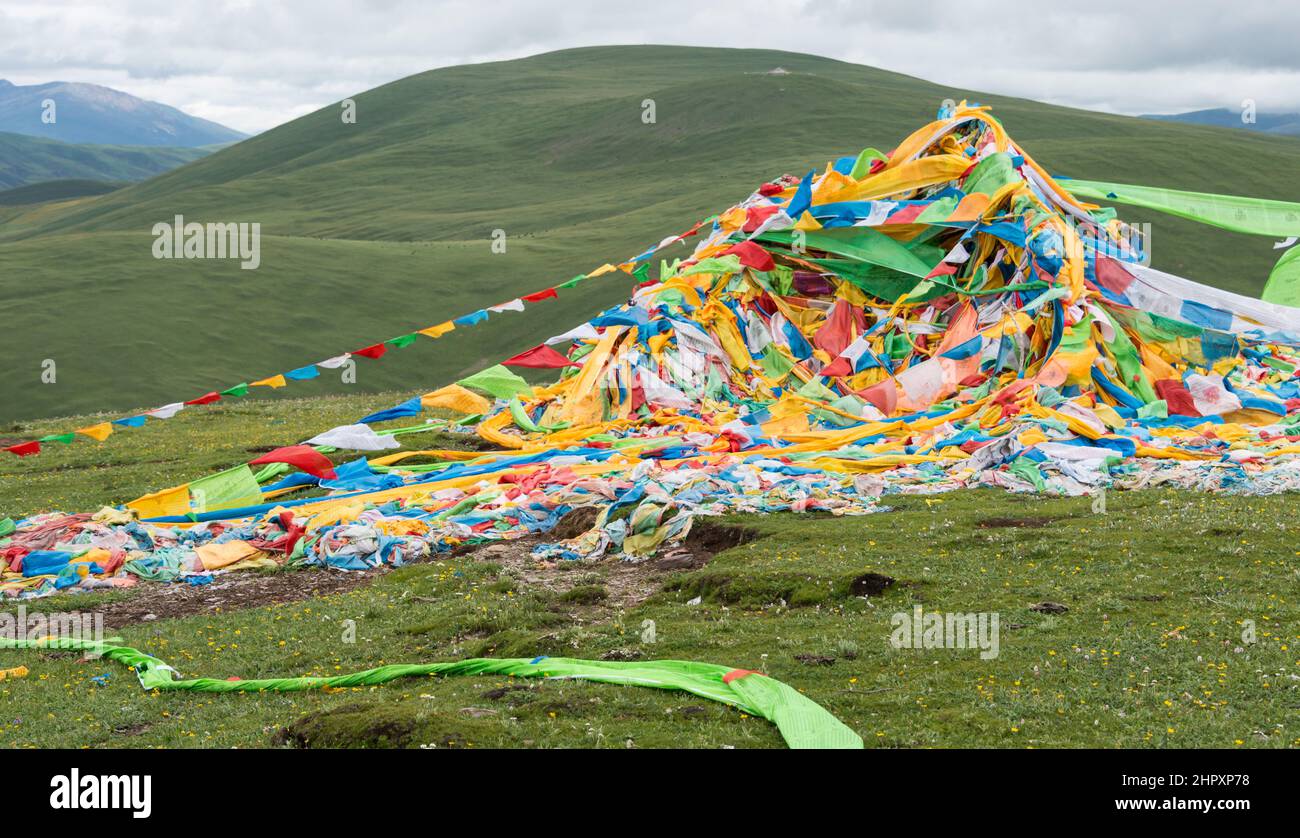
(28, 160)
(374, 228)
(56, 190)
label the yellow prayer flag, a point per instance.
(173, 501)
(98, 432)
(455, 397)
(439, 330)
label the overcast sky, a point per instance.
(254, 65)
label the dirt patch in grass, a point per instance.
(574, 523)
(705, 540)
(504, 692)
(233, 592)
(131, 730)
(1027, 521)
(870, 584)
(713, 537)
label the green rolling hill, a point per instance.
(30, 160)
(56, 190)
(376, 228)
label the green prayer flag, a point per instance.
(497, 381)
(802, 722)
(862, 166)
(1231, 212)
(860, 243)
(774, 363)
(1283, 285)
(403, 341)
(991, 174)
(225, 490)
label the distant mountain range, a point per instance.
(1269, 123)
(89, 113)
(96, 135)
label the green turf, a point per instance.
(373, 228)
(1149, 654)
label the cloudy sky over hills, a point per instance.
(253, 66)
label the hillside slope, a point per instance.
(30, 160)
(91, 113)
(55, 190)
(374, 228)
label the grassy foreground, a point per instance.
(1150, 652)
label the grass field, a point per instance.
(1149, 653)
(373, 228)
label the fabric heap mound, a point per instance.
(945, 315)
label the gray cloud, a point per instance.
(255, 65)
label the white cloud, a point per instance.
(255, 65)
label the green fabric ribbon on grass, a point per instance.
(802, 722)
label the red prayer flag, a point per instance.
(206, 398)
(539, 357)
(752, 256)
(373, 352)
(548, 294)
(755, 216)
(836, 331)
(1177, 397)
(25, 449)
(840, 366)
(884, 395)
(303, 457)
(942, 269)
